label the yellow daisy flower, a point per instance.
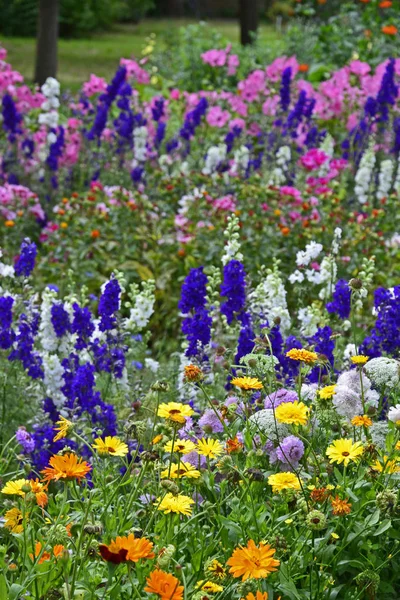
(64, 427)
(210, 586)
(110, 445)
(386, 466)
(180, 505)
(344, 451)
(184, 469)
(292, 413)
(181, 446)
(360, 359)
(247, 383)
(175, 411)
(327, 392)
(14, 488)
(14, 520)
(210, 448)
(284, 481)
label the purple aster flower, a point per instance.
(210, 423)
(279, 397)
(290, 450)
(25, 439)
(25, 263)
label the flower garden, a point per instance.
(200, 333)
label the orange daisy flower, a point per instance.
(258, 596)
(385, 4)
(233, 445)
(253, 561)
(389, 30)
(164, 585)
(66, 467)
(340, 507)
(127, 548)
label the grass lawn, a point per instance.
(101, 53)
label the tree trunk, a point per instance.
(248, 15)
(176, 8)
(47, 36)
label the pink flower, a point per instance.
(233, 63)
(215, 58)
(95, 85)
(237, 123)
(225, 203)
(313, 159)
(216, 117)
(359, 68)
(133, 69)
(175, 94)
(270, 105)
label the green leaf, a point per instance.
(385, 525)
(374, 519)
(3, 587)
(15, 591)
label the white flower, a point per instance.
(348, 394)
(394, 413)
(51, 87)
(241, 159)
(363, 178)
(385, 179)
(152, 364)
(349, 351)
(53, 378)
(304, 257)
(215, 155)
(140, 143)
(296, 277)
(268, 299)
(264, 422)
(383, 371)
(50, 119)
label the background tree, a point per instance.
(249, 20)
(47, 38)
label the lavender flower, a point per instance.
(25, 439)
(290, 450)
(279, 397)
(210, 423)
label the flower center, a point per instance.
(345, 453)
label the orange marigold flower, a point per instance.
(340, 507)
(302, 355)
(66, 467)
(192, 373)
(44, 556)
(95, 233)
(389, 30)
(385, 4)
(303, 68)
(164, 585)
(258, 596)
(285, 231)
(233, 445)
(127, 548)
(361, 421)
(253, 561)
(319, 494)
(9, 223)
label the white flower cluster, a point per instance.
(241, 159)
(396, 184)
(384, 372)
(53, 378)
(394, 414)
(363, 176)
(6, 270)
(337, 236)
(141, 305)
(51, 90)
(394, 241)
(268, 299)
(304, 257)
(264, 422)
(310, 318)
(349, 391)
(278, 174)
(215, 155)
(47, 334)
(232, 248)
(385, 179)
(140, 144)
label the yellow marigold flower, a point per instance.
(63, 225)
(292, 413)
(327, 392)
(184, 469)
(14, 488)
(64, 427)
(209, 586)
(284, 481)
(344, 451)
(181, 446)
(180, 505)
(303, 355)
(66, 467)
(397, 446)
(335, 535)
(386, 466)
(175, 411)
(110, 445)
(360, 359)
(192, 373)
(217, 569)
(361, 421)
(340, 507)
(210, 448)
(253, 561)
(14, 520)
(247, 383)
(157, 439)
